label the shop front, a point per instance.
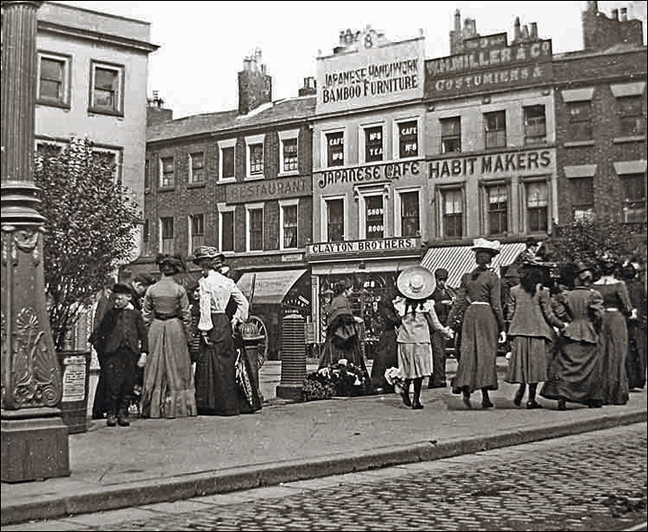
(371, 266)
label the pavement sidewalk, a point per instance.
(156, 460)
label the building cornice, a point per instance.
(89, 35)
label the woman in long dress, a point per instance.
(217, 391)
(342, 338)
(386, 355)
(479, 298)
(613, 340)
(168, 388)
(575, 371)
(531, 333)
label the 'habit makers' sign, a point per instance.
(527, 162)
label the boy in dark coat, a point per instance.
(122, 340)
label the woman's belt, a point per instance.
(164, 317)
(612, 309)
(479, 303)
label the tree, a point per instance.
(588, 239)
(89, 229)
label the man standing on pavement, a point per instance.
(443, 297)
(138, 285)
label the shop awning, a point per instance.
(264, 288)
(461, 259)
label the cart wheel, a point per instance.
(262, 350)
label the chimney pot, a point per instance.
(624, 14)
(615, 14)
(534, 30)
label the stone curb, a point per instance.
(181, 487)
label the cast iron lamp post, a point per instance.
(34, 438)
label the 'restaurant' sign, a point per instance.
(488, 68)
(268, 189)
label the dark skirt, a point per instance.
(216, 390)
(386, 356)
(636, 361)
(575, 374)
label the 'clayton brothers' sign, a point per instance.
(522, 163)
(380, 245)
(489, 68)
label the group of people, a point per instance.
(175, 351)
(575, 339)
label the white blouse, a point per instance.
(215, 292)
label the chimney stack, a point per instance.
(624, 14)
(255, 85)
(309, 88)
(615, 14)
(534, 31)
(156, 113)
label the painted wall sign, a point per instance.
(268, 189)
(362, 174)
(489, 69)
(371, 76)
(521, 163)
(358, 246)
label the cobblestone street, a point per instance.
(594, 481)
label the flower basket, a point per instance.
(338, 380)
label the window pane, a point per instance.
(227, 231)
(408, 139)
(373, 144)
(452, 214)
(631, 119)
(290, 226)
(51, 79)
(374, 217)
(335, 149)
(197, 167)
(497, 210)
(335, 220)
(537, 206)
(410, 214)
(167, 178)
(535, 127)
(289, 155)
(256, 158)
(580, 126)
(495, 129)
(255, 217)
(634, 197)
(451, 135)
(106, 84)
(228, 162)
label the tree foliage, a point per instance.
(89, 229)
(589, 239)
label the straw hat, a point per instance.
(208, 252)
(416, 282)
(491, 246)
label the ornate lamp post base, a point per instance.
(34, 445)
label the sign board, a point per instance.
(367, 174)
(74, 378)
(268, 189)
(528, 162)
(489, 68)
(379, 245)
(370, 76)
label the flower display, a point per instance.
(342, 379)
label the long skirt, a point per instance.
(477, 368)
(636, 361)
(217, 392)
(333, 351)
(575, 373)
(613, 342)
(528, 362)
(415, 360)
(386, 357)
(168, 390)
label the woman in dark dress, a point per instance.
(479, 296)
(342, 339)
(636, 361)
(386, 354)
(575, 371)
(217, 391)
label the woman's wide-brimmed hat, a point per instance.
(416, 282)
(208, 252)
(491, 246)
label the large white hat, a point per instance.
(481, 244)
(416, 282)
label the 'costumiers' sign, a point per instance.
(370, 76)
(490, 67)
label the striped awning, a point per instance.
(461, 259)
(267, 288)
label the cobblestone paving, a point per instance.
(590, 482)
